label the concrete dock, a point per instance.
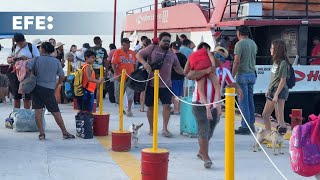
(23, 156)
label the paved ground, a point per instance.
(23, 156)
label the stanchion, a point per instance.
(121, 140)
(229, 134)
(69, 68)
(154, 161)
(101, 120)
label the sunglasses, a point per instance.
(219, 56)
(166, 40)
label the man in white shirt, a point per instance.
(22, 50)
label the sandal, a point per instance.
(142, 110)
(207, 164)
(199, 156)
(42, 137)
(167, 134)
(68, 136)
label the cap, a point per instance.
(176, 45)
(243, 29)
(36, 42)
(125, 40)
(18, 37)
(59, 44)
(217, 34)
(222, 51)
(155, 40)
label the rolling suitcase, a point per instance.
(188, 125)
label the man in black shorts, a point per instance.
(158, 53)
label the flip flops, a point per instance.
(42, 137)
(207, 164)
(167, 134)
(68, 136)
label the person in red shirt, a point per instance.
(124, 58)
(315, 51)
(224, 78)
(200, 60)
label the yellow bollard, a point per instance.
(155, 111)
(153, 158)
(100, 92)
(121, 139)
(229, 134)
(123, 77)
(68, 68)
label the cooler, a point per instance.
(188, 125)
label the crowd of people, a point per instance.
(175, 60)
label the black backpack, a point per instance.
(291, 81)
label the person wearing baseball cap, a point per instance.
(177, 79)
(22, 50)
(124, 58)
(243, 69)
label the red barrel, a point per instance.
(296, 117)
(101, 124)
(121, 141)
(154, 165)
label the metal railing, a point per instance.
(305, 14)
(207, 6)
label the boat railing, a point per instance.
(206, 5)
(295, 10)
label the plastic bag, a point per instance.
(24, 120)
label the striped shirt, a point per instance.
(224, 77)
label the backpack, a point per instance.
(73, 85)
(291, 81)
(305, 148)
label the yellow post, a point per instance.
(69, 68)
(229, 134)
(123, 77)
(155, 111)
(101, 93)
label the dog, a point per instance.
(134, 129)
(275, 137)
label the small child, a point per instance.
(200, 60)
(89, 83)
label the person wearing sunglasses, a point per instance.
(160, 57)
(206, 127)
(200, 60)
